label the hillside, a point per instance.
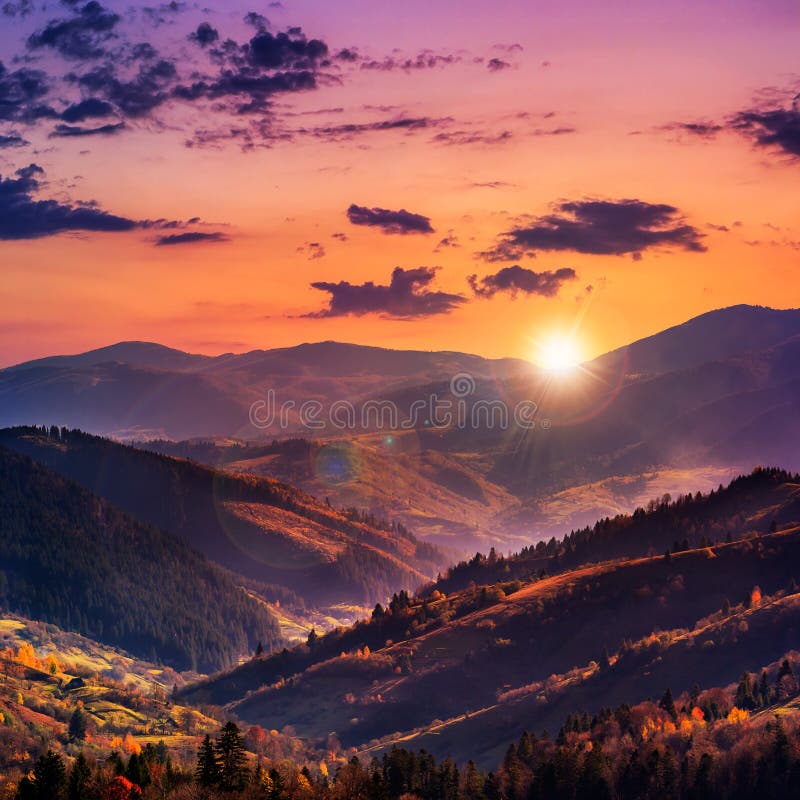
(70, 558)
(526, 652)
(715, 336)
(258, 527)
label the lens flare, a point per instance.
(558, 355)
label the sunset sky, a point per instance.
(467, 175)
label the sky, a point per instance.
(470, 176)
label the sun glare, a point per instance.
(559, 355)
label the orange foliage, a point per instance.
(130, 745)
(755, 596)
(26, 655)
(738, 715)
(122, 789)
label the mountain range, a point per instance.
(684, 409)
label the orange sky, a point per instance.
(614, 80)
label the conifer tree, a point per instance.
(231, 758)
(207, 772)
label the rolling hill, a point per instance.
(461, 671)
(257, 527)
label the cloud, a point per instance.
(313, 250)
(497, 64)
(268, 64)
(21, 93)
(451, 240)
(425, 59)
(461, 138)
(135, 97)
(599, 227)
(348, 131)
(702, 130)
(493, 185)
(401, 221)
(205, 35)
(87, 109)
(22, 216)
(20, 8)
(68, 131)
(772, 127)
(81, 36)
(406, 296)
(516, 279)
(190, 237)
(11, 140)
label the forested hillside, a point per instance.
(72, 559)
(258, 527)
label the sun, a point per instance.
(559, 354)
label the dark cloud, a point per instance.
(472, 137)
(703, 130)
(22, 216)
(772, 127)
(426, 59)
(250, 74)
(82, 36)
(67, 131)
(134, 97)
(340, 237)
(497, 64)
(313, 250)
(599, 227)
(190, 237)
(20, 8)
(21, 95)
(406, 296)
(492, 185)
(516, 279)
(401, 221)
(204, 35)
(256, 20)
(451, 240)
(11, 140)
(349, 131)
(87, 109)
(163, 13)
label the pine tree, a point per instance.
(207, 771)
(50, 777)
(78, 725)
(668, 704)
(231, 757)
(77, 788)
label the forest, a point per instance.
(74, 560)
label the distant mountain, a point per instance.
(69, 558)
(142, 354)
(715, 336)
(462, 670)
(258, 527)
(137, 389)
